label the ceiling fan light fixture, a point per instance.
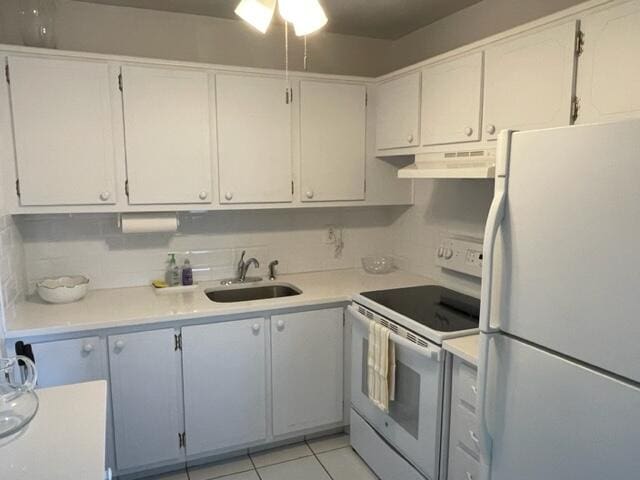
(257, 13)
(307, 16)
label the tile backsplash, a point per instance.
(92, 245)
(12, 271)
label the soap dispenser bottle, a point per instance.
(173, 271)
(187, 273)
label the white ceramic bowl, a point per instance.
(377, 264)
(63, 289)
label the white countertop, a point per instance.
(65, 440)
(467, 348)
(122, 307)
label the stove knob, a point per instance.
(448, 254)
(440, 252)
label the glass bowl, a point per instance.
(378, 264)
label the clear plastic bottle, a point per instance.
(173, 272)
(187, 273)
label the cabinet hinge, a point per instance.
(126, 187)
(575, 109)
(286, 96)
(178, 341)
(291, 188)
(365, 185)
(18, 187)
(579, 47)
(182, 440)
(291, 94)
(120, 82)
(366, 99)
(6, 73)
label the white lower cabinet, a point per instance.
(65, 362)
(147, 401)
(463, 427)
(307, 369)
(225, 385)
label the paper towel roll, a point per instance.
(146, 223)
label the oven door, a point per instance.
(413, 424)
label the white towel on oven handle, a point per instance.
(381, 366)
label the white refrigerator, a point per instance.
(559, 372)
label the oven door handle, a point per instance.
(432, 352)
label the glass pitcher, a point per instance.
(18, 400)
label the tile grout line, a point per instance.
(318, 460)
(254, 466)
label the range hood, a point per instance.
(479, 163)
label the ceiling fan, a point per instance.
(307, 16)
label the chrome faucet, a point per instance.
(243, 267)
(272, 270)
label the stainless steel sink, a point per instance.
(251, 292)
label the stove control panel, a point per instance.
(460, 254)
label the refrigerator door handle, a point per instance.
(485, 442)
(494, 219)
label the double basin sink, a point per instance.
(245, 293)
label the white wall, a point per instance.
(93, 246)
(147, 33)
(456, 206)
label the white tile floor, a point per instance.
(325, 458)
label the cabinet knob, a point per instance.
(309, 194)
(491, 129)
(119, 345)
(468, 131)
(280, 325)
(87, 348)
(104, 196)
(469, 476)
(410, 138)
(203, 195)
(255, 327)
(228, 195)
(474, 437)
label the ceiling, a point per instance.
(387, 19)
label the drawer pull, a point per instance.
(469, 476)
(474, 389)
(474, 437)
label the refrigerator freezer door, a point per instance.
(568, 244)
(558, 420)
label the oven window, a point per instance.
(405, 409)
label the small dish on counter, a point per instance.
(378, 264)
(65, 289)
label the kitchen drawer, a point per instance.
(464, 384)
(463, 466)
(464, 429)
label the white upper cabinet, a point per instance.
(398, 112)
(452, 101)
(166, 118)
(609, 70)
(254, 139)
(63, 130)
(529, 81)
(225, 371)
(332, 141)
(306, 357)
(146, 387)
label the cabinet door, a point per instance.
(398, 112)
(254, 139)
(609, 72)
(63, 131)
(79, 360)
(166, 118)
(225, 369)
(146, 393)
(451, 101)
(306, 369)
(529, 81)
(332, 141)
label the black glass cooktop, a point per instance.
(435, 307)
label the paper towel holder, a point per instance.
(142, 214)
